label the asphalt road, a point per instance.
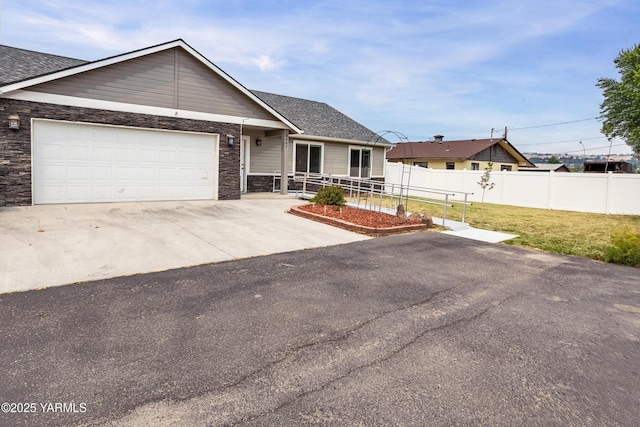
(418, 329)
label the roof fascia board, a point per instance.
(137, 54)
(340, 140)
(71, 101)
(238, 86)
(88, 66)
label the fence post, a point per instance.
(444, 212)
(607, 199)
(464, 207)
(550, 190)
(304, 185)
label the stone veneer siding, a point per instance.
(15, 145)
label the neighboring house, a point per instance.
(159, 123)
(470, 154)
(546, 167)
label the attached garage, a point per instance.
(79, 163)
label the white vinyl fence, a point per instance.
(581, 192)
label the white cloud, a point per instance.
(265, 62)
(457, 68)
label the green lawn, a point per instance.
(563, 232)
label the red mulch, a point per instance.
(359, 216)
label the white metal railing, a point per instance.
(375, 192)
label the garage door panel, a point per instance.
(75, 192)
(102, 154)
(91, 163)
(101, 173)
(103, 193)
(53, 152)
(148, 174)
(79, 152)
(52, 172)
(148, 155)
(78, 173)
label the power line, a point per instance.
(595, 148)
(560, 142)
(554, 124)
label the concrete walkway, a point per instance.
(462, 229)
(52, 245)
(456, 228)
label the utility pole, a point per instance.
(505, 132)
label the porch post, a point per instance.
(284, 173)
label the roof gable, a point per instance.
(170, 78)
(171, 75)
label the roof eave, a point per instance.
(136, 54)
(342, 140)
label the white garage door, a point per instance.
(77, 163)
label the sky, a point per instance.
(459, 68)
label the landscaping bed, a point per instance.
(359, 220)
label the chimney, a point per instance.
(438, 138)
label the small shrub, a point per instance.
(624, 248)
(333, 195)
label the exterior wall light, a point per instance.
(14, 121)
(258, 142)
(230, 139)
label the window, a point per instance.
(505, 167)
(451, 165)
(308, 158)
(360, 163)
(421, 164)
(475, 166)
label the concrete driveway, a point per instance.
(420, 329)
(54, 245)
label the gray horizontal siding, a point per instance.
(378, 162)
(148, 81)
(151, 80)
(336, 159)
(266, 158)
(202, 90)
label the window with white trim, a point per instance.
(308, 158)
(360, 162)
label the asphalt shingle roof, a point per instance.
(318, 118)
(314, 118)
(20, 64)
(461, 149)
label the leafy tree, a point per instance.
(554, 160)
(485, 180)
(620, 109)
